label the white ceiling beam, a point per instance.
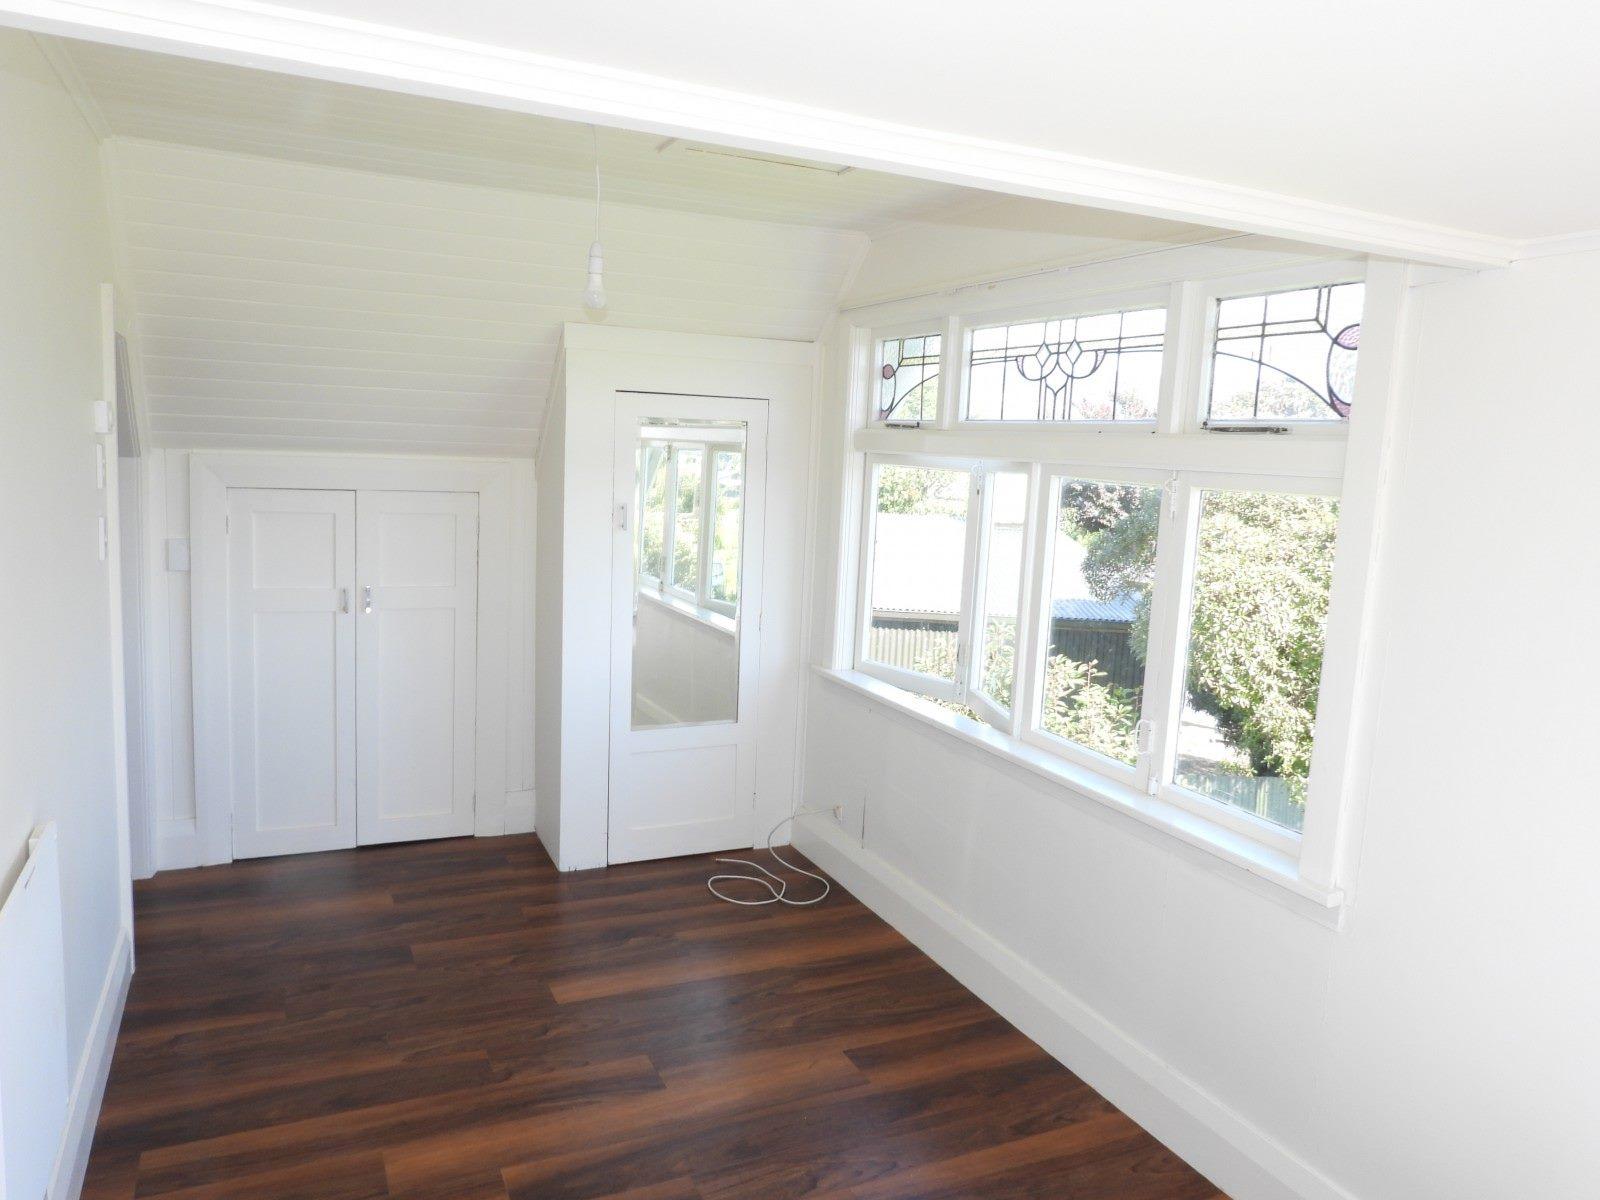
(372, 55)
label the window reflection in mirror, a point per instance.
(689, 522)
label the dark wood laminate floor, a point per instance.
(456, 1021)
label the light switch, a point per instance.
(177, 554)
(102, 416)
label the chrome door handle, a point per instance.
(366, 599)
(344, 600)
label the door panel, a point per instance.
(686, 585)
(417, 664)
(292, 644)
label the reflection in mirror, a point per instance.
(689, 536)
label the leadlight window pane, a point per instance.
(1101, 367)
(1002, 586)
(918, 556)
(907, 376)
(1103, 568)
(1259, 610)
(1286, 356)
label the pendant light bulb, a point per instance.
(594, 296)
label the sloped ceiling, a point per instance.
(315, 265)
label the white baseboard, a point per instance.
(1220, 1143)
(177, 844)
(519, 812)
(89, 1084)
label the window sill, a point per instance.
(690, 612)
(1258, 862)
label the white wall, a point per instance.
(1439, 1046)
(169, 769)
(56, 665)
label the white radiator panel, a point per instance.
(33, 1024)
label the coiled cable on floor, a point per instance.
(776, 885)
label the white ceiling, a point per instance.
(316, 265)
(1468, 115)
(186, 101)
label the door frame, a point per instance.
(211, 474)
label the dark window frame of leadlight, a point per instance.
(1335, 345)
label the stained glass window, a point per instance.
(1105, 367)
(908, 379)
(1286, 356)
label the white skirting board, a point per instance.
(1227, 1149)
(519, 812)
(89, 1083)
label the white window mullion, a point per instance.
(869, 533)
(708, 483)
(952, 374)
(1166, 645)
(978, 493)
(669, 535)
(1033, 634)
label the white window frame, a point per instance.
(1044, 520)
(666, 585)
(1345, 459)
(931, 686)
(976, 615)
(1264, 283)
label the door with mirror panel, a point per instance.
(686, 570)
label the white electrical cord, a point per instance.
(776, 885)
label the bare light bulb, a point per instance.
(594, 296)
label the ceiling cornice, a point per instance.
(324, 47)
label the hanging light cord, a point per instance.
(594, 134)
(776, 885)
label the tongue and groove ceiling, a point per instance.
(314, 265)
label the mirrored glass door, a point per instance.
(686, 572)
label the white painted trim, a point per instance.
(89, 1083)
(111, 506)
(178, 844)
(1238, 1156)
(373, 55)
(210, 477)
(519, 811)
(1566, 243)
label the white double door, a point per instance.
(353, 663)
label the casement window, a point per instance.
(690, 523)
(1099, 367)
(917, 577)
(905, 378)
(1285, 356)
(1150, 612)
